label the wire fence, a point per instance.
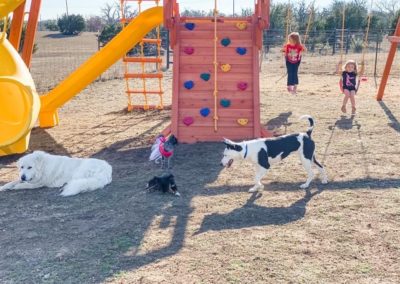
(58, 56)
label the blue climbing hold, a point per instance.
(205, 76)
(190, 26)
(225, 102)
(188, 84)
(205, 111)
(241, 50)
(226, 41)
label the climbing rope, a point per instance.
(338, 69)
(287, 30)
(365, 43)
(215, 117)
(310, 17)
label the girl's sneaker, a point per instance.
(353, 110)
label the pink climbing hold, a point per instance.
(188, 50)
(188, 120)
(242, 86)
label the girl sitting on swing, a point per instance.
(348, 85)
(292, 50)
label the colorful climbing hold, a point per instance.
(205, 111)
(241, 25)
(188, 84)
(243, 121)
(242, 86)
(190, 26)
(226, 41)
(205, 76)
(225, 102)
(226, 67)
(241, 50)
(188, 120)
(188, 50)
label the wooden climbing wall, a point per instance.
(237, 104)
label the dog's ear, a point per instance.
(232, 145)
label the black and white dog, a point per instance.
(265, 152)
(164, 183)
(163, 150)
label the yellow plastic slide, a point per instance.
(19, 102)
(97, 64)
(7, 6)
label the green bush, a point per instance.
(357, 45)
(21, 45)
(51, 25)
(108, 32)
(71, 25)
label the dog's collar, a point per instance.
(245, 152)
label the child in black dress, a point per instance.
(348, 85)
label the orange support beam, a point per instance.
(16, 26)
(389, 62)
(29, 40)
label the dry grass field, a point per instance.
(347, 231)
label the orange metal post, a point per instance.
(16, 26)
(29, 40)
(389, 62)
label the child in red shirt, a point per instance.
(292, 50)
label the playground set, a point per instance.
(215, 90)
(215, 75)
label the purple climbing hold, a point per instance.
(188, 84)
(188, 50)
(188, 120)
(205, 111)
(242, 86)
(241, 50)
(190, 26)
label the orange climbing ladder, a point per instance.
(140, 70)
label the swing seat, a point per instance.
(364, 78)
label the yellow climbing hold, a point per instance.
(241, 25)
(226, 67)
(243, 121)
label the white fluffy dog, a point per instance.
(76, 175)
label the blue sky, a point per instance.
(53, 8)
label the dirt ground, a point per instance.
(347, 231)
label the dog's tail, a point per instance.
(311, 121)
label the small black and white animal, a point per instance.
(163, 150)
(164, 183)
(265, 152)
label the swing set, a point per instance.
(394, 43)
(361, 73)
(288, 28)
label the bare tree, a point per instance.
(389, 7)
(109, 13)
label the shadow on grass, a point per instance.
(251, 215)
(95, 236)
(277, 122)
(40, 140)
(59, 35)
(394, 123)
